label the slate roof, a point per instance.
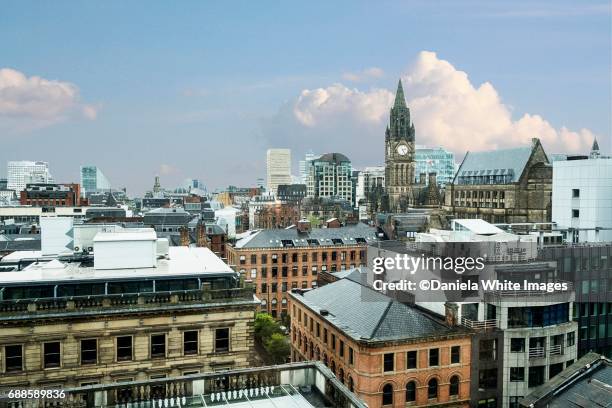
(19, 242)
(365, 314)
(167, 216)
(586, 383)
(496, 162)
(273, 238)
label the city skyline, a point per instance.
(503, 88)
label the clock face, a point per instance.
(402, 150)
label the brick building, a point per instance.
(52, 195)
(276, 215)
(503, 186)
(278, 260)
(388, 353)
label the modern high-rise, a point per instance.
(582, 197)
(93, 180)
(20, 173)
(435, 160)
(278, 168)
(303, 165)
(331, 175)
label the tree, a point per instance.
(278, 348)
(265, 327)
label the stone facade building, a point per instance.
(81, 321)
(503, 186)
(278, 260)
(401, 187)
(389, 354)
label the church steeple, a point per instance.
(400, 100)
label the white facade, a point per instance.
(131, 248)
(582, 198)
(278, 168)
(20, 173)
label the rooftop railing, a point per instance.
(244, 387)
(479, 324)
(110, 301)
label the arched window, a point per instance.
(454, 385)
(317, 353)
(325, 359)
(387, 395)
(432, 389)
(341, 376)
(333, 367)
(411, 391)
(351, 384)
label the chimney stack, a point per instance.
(432, 179)
(422, 178)
(184, 236)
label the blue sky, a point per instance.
(202, 89)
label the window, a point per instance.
(253, 259)
(517, 345)
(432, 388)
(124, 348)
(388, 362)
(434, 357)
(387, 396)
(411, 359)
(575, 193)
(517, 373)
(455, 354)
(13, 358)
(554, 369)
(190, 342)
(253, 273)
(536, 376)
(351, 356)
(487, 378)
(514, 402)
(411, 391)
(571, 339)
(341, 348)
(575, 213)
(333, 338)
(324, 335)
(89, 351)
(158, 345)
(222, 340)
(454, 386)
(51, 353)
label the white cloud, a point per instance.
(447, 109)
(36, 101)
(324, 104)
(167, 169)
(368, 73)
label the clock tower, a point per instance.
(399, 154)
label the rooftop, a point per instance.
(295, 385)
(181, 261)
(279, 238)
(506, 162)
(586, 383)
(365, 314)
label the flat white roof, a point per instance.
(128, 234)
(478, 226)
(182, 261)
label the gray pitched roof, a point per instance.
(496, 162)
(273, 238)
(365, 314)
(586, 383)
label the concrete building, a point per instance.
(503, 186)
(389, 354)
(134, 311)
(291, 193)
(582, 197)
(20, 173)
(330, 175)
(278, 260)
(435, 160)
(278, 164)
(93, 180)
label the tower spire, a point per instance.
(595, 146)
(400, 100)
